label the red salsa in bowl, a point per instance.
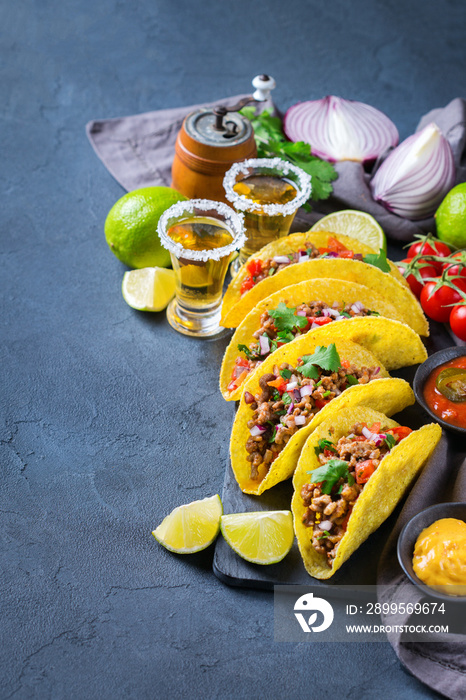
(444, 391)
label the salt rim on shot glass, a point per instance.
(265, 222)
(200, 272)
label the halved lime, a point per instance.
(357, 224)
(263, 537)
(148, 289)
(192, 527)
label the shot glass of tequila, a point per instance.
(201, 236)
(269, 191)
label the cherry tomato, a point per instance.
(430, 248)
(425, 271)
(457, 269)
(458, 321)
(437, 306)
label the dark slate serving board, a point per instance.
(361, 568)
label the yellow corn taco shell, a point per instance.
(391, 285)
(393, 342)
(387, 394)
(380, 495)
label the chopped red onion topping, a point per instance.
(326, 525)
(291, 386)
(300, 420)
(264, 343)
(280, 259)
(257, 430)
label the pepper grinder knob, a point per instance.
(264, 84)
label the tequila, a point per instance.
(262, 229)
(201, 236)
(269, 191)
(199, 283)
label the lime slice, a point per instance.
(148, 289)
(357, 224)
(191, 527)
(263, 537)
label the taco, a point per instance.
(297, 387)
(287, 262)
(352, 472)
(363, 316)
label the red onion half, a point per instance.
(416, 176)
(339, 129)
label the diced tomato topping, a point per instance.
(344, 524)
(364, 471)
(279, 383)
(247, 284)
(345, 364)
(280, 343)
(375, 428)
(335, 246)
(242, 362)
(321, 320)
(320, 403)
(235, 383)
(400, 433)
(346, 254)
(323, 251)
(254, 267)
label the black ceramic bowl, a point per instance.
(423, 372)
(411, 532)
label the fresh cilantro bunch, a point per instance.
(271, 142)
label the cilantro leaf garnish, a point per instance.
(285, 336)
(390, 440)
(274, 434)
(286, 398)
(351, 379)
(326, 358)
(345, 314)
(249, 353)
(377, 260)
(286, 373)
(329, 473)
(285, 318)
(324, 444)
(271, 141)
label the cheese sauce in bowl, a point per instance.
(439, 558)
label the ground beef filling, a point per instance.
(271, 266)
(308, 252)
(276, 416)
(313, 310)
(328, 514)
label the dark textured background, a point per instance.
(109, 419)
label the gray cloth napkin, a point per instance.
(138, 151)
(441, 664)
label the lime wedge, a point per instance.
(263, 537)
(191, 527)
(148, 289)
(357, 224)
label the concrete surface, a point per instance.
(108, 418)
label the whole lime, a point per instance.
(450, 217)
(131, 226)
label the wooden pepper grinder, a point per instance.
(210, 141)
